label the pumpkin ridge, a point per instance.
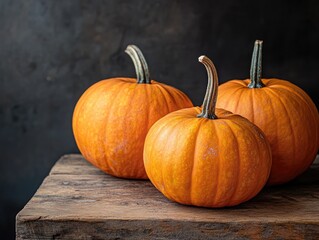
(164, 97)
(239, 99)
(75, 118)
(277, 83)
(96, 99)
(178, 122)
(168, 96)
(238, 163)
(194, 158)
(147, 119)
(218, 168)
(220, 95)
(135, 168)
(257, 188)
(253, 133)
(234, 84)
(79, 108)
(276, 125)
(251, 98)
(301, 95)
(171, 97)
(178, 92)
(165, 89)
(242, 83)
(155, 134)
(182, 95)
(258, 147)
(272, 91)
(106, 158)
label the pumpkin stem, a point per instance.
(255, 67)
(209, 103)
(141, 68)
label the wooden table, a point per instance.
(77, 201)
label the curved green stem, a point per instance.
(141, 68)
(209, 103)
(255, 67)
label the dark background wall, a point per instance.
(51, 51)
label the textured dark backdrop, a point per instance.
(51, 51)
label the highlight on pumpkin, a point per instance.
(112, 117)
(194, 158)
(283, 111)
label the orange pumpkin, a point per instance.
(207, 157)
(112, 118)
(283, 111)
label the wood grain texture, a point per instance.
(77, 201)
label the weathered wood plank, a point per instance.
(77, 201)
(74, 164)
(156, 229)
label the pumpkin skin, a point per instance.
(287, 116)
(218, 160)
(112, 118)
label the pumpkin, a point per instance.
(283, 111)
(112, 117)
(207, 157)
